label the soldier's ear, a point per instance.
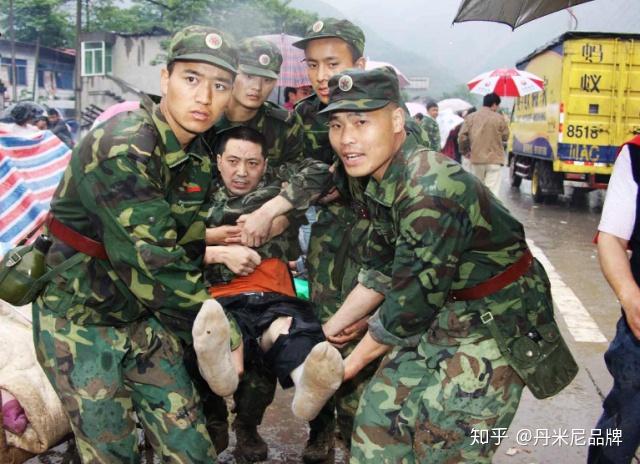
(360, 63)
(397, 117)
(218, 158)
(164, 81)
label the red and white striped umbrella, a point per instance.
(506, 83)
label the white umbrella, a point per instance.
(415, 108)
(454, 104)
(403, 81)
(447, 120)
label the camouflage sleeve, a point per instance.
(437, 142)
(306, 181)
(307, 178)
(463, 138)
(140, 235)
(432, 233)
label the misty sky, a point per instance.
(467, 49)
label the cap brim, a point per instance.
(355, 105)
(303, 43)
(203, 57)
(256, 71)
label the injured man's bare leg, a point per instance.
(316, 379)
(211, 341)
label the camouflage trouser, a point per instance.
(425, 404)
(334, 261)
(107, 376)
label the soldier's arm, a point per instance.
(306, 177)
(140, 235)
(360, 302)
(614, 262)
(504, 130)
(366, 351)
(433, 231)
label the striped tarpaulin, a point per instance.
(30, 168)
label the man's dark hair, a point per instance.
(419, 116)
(491, 99)
(53, 112)
(241, 133)
(431, 104)
(287, 91)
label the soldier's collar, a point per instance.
(173, 152)
(384, 192)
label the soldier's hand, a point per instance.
(223, 235)
(255, 228)
(333, 195)
(241, 260)
(353, 332)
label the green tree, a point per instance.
(45, 19)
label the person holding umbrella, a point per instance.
(481, 138)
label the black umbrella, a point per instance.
(510, 12)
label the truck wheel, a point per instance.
(536, 182)
(516, 180)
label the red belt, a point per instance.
(74, 239)
(497, 282)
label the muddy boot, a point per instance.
(320, 446)
(219, 433)
(250, 447)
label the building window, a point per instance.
(96, 58)
(21, 70)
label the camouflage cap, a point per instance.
(259, 57)
(201, 43)
(359, 90)
(332, 27)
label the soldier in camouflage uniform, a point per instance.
(259, 64)
(430, 125)
(461, 282)
(131, 209)
(337, 237)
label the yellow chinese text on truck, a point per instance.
(568, 135)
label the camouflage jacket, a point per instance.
(285, 148)
(435, 228)
(226, 209)
(432, 131)
(134, 189)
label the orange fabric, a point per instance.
(272, 275)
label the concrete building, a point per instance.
(55, 71)
(116, 67)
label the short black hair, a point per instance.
(419, 116)
(431, 104)
(241, 133)
(491, 99)
(53, 112)
(355, 53)
(287, 91)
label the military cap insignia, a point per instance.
(345, 83)
(264, 60)
(213, 41)
(317, 26)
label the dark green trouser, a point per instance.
(107, 376)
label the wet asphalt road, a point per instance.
(563, 231)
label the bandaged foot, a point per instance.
(211, 336)
(278, 327)
(316, 380)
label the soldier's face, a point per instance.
(241, 166)
(252, 91)
(433, 112)
(325, 58)
(366, 141)
(194, 97)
